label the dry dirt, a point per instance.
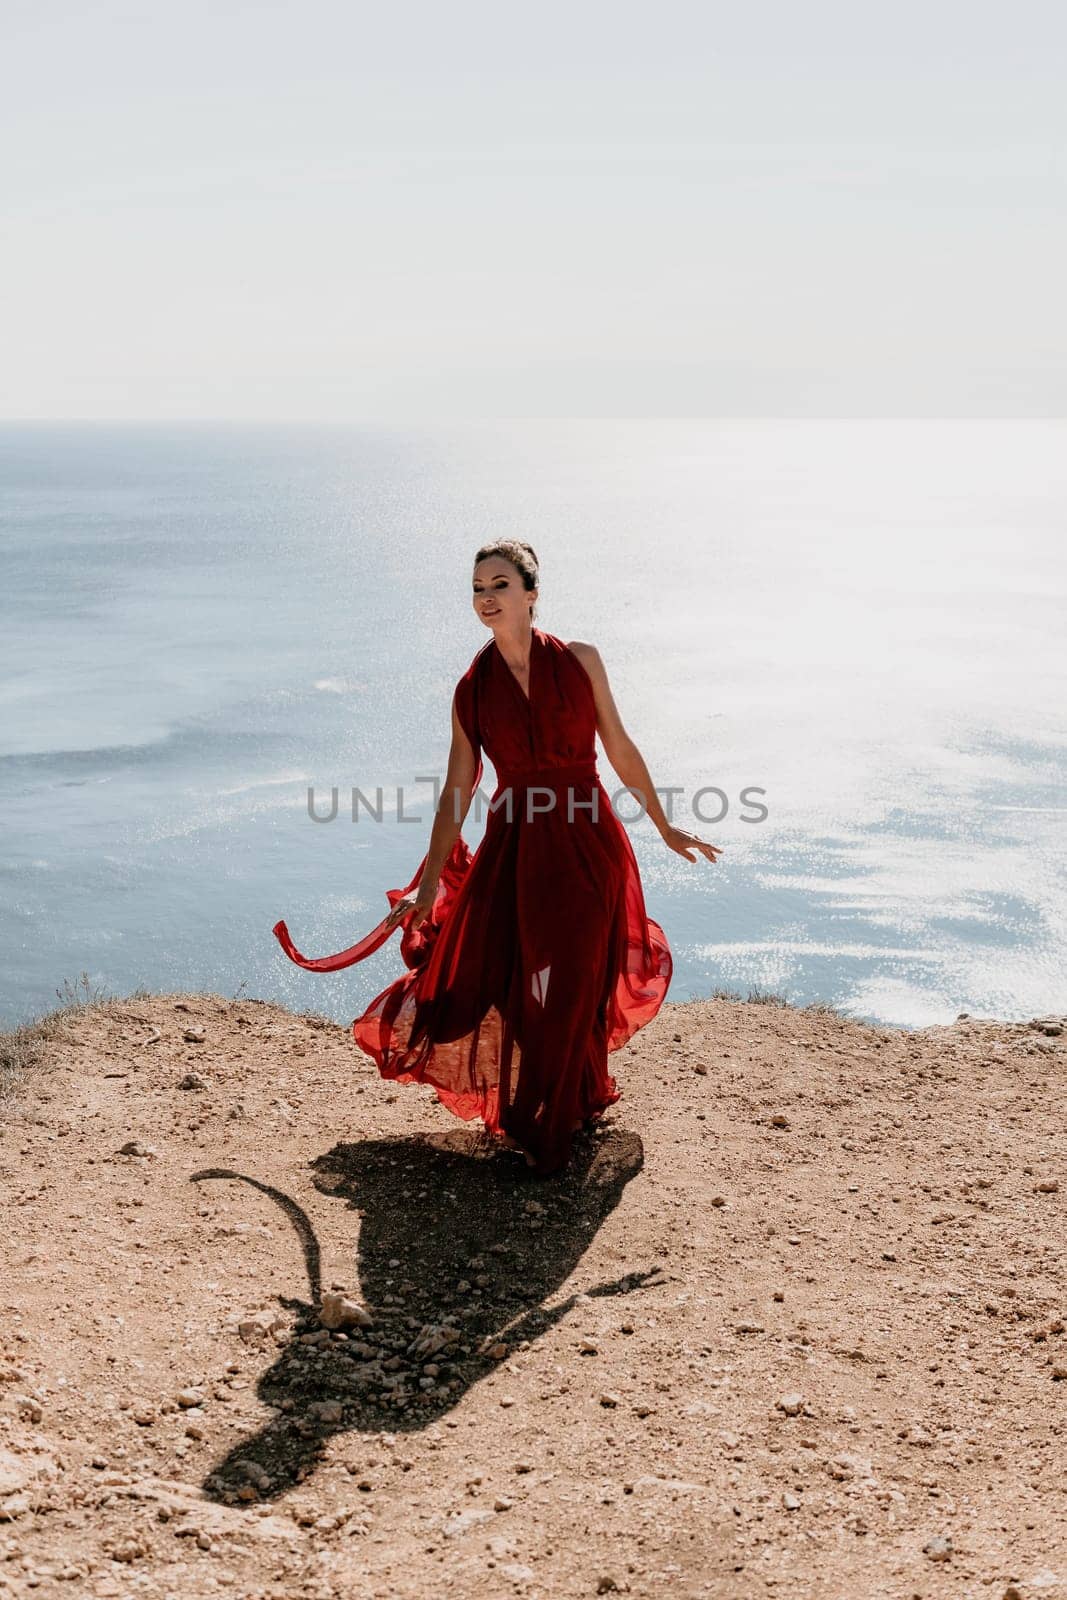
(791, 1323)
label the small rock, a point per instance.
(128, 1550)
(337, 1311)
(790, 1501)
(843, 1468)
(326, 1410)
(194, 1035)
(134, 1147)
(779, 1120)
(192, 1080)
(938, 1549)
(503, 1502)
(259, 1325)
(606, 1584)
(791, 1404)
(1048, 1186)
(461, 1521)
(433, 1337)
(609, 1399)
(14, 1472)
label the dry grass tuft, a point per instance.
(22, 1050)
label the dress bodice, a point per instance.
(553, 727)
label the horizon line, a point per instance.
(441, 419)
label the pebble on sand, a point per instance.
(260, 1324)
(337, 1311)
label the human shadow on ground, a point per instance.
(460, 1247)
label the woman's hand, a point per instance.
(422, 901)
(678, 839)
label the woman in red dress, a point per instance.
(531, 959)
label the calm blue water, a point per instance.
(864, 620)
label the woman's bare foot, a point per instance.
(512, 1144)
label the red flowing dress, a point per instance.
(537, 958)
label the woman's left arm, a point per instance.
(628, 761)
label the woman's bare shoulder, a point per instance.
(583, 650)
(589, 657)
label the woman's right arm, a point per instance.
(452, 809)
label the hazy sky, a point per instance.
(783, 207)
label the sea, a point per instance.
(839, 645)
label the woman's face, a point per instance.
(499, 597)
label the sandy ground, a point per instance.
(792, 1322)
